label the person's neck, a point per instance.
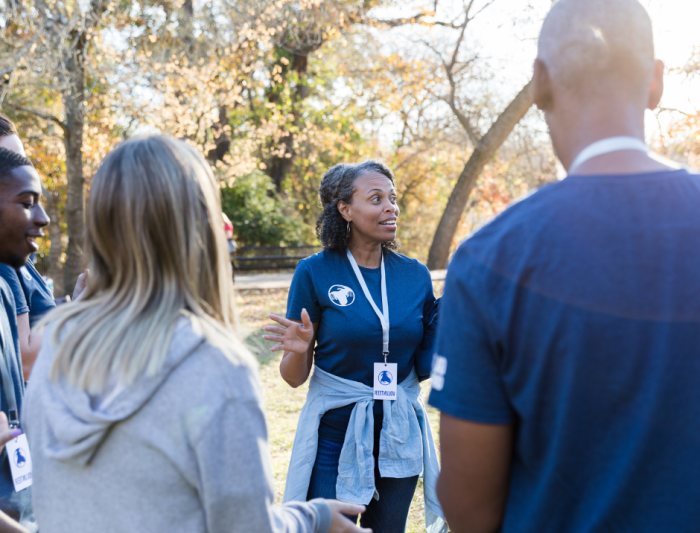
(367, 254)
(583, 125)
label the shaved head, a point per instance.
(591, 46)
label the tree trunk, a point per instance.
(222, 142)
(55, 267)
(73, 101)
(279, 167)
(486, 149)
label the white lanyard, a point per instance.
(606, 146)
(383, 317)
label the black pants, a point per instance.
(388, 514)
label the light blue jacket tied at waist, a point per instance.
(406, 446)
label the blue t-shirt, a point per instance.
(18, 505)
(349, 336)
(30, 291)
(575, 315)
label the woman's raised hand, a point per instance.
(291, 336)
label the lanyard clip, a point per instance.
(12, 415)
(385, 354)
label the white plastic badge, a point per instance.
(385, 375)
(20, 462)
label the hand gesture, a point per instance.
(291, 336)
(340, 523)
(80, 286)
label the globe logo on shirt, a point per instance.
(20, 459)
(341, 295)
(385, 377)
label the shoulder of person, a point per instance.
(8, 273)
(6, 296)
(223, 371)
(321, 259)
(522, 220)
(319, 263)
(408, 263)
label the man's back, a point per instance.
(580, 313)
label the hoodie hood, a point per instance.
(76, 425)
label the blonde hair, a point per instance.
(157, 252)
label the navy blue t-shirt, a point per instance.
(17, 505)
(575, 316)
(30, 291)
(349, 336)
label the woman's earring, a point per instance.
(348, 235)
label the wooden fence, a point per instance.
(272, 257)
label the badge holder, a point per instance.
(20, 462)
(385, 376)
(18, 448)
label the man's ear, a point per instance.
(542, 86)
(656, 91)
(344, 210)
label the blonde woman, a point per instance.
(145, 412)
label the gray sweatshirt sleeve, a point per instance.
(236, 483)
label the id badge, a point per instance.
(385, 376)
(20, 462)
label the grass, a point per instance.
(282, 403)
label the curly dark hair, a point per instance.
(338, 185)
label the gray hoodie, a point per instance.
(183, 451)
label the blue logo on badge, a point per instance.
(385, 377)
(20, 460)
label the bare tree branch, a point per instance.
(11, 71)
(39, 114)
(464, 121)
(494, 138)
(485, 6)
(449, 72)
(673, 110)
(417, 18)
(458, 44)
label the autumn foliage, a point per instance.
(275, 90)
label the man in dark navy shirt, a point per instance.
(33, 299)
(21, 221)
(568, 364)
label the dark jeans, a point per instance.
(388, 514)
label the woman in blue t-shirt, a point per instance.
(337, 319)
